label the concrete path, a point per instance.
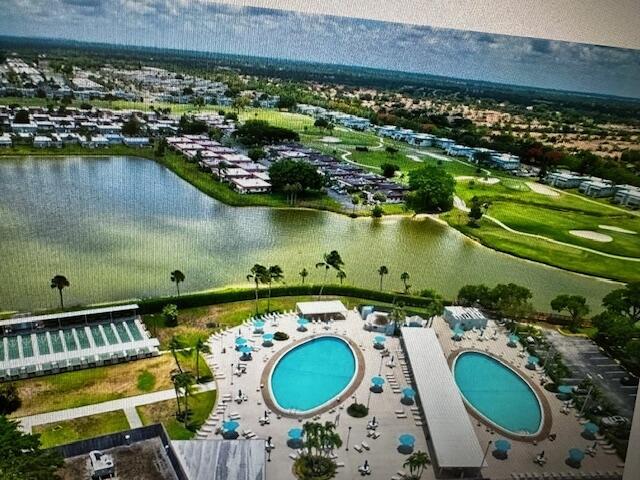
(132, 417)
(128, 403)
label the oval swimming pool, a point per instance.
(498, 393)
(312, 374)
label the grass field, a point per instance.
(200, 405)
(60, 433)
(101, 384)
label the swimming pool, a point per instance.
(498, 393)
(312, 374)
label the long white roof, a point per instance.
(454, 440)
(321, 308)
(69, 314)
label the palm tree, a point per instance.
(174, 346)
(404, 276)
(200, 347)
(303, 274)
(177, 277)
(184, 381)
(341, 275)
(416, 464)
(274, 274)
(382, 271)
(174, 380)
(60, 282)
(330, 260)
(258, 275)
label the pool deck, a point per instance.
(386, 462)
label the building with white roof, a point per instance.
(465, 317)
(250, 185)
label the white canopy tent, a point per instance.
(322, 310)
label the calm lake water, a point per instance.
(117, 226)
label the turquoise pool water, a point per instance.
(312, 374)
(498, 393)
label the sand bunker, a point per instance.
(591, 235)
(617, 229)
(542, 189)
(489, 181)
(415, 158)
(330, 140)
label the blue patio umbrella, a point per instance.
(503, 445)
(295, 433)
(258, 323)
(379, 339)
(408, 392)
(533, 360)
(241, 341)
(245, 349)
(591, 428)
(576, 454)
(230, 426)
(377, 381)
(407, 440)
(267, 337)
(458, 332)
(565, 389)
(513, 339)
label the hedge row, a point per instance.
(154, 305)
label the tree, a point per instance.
(256, 154)
(258, 274)
(161, 147)
(624, 301)
(379, 197)
(475, 212)
(60, 282)
(512, 300)
(320, 441)
(331, 260)
(183, 384)
(341, 275)
(404, 276)
(470, 295)
(21, 455)
(321, 123)
(416, 463)
(9, 398)
(131, 127)
(240, 103)
(200, 347)
(259, 132)
(575, 305)
(303, 274)
(274, 274)
(291, 172)
(177, 277)
(286, 102)
(389, 169)
(431, 190)
(170, 315)
(174, 345)
(482, 158)
(21, 116)
(355, 200)
(382, 271)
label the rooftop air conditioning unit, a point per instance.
(102, 465)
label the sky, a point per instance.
(234, 27)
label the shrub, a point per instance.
(360, 148)
(324, 467)
(280, 336)
(9, 399)
(358, 410)
(170, 315)
(377, 211)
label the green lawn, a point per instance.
(200, 405)
(101, 384)
(60, 433)
(543, 251)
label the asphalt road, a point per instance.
(582, 357)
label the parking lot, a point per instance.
(583, 356)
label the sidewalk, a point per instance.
(127, 404)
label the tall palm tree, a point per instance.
(303, 274)
(329, 260)
(382, 271)
(404, 276)
(60, 282)
(274, 274)
(184, 382)
(200, 347)
(341, 275)
(174, 346)
(177, 277)
(258, 275)
(416, 464)
(174, 380)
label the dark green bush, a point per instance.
(358, 410)
(280, 336)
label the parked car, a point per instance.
(614, 421)
(629, 381)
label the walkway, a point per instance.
(461, 205)
(127, 404)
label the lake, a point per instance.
(117, 226)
